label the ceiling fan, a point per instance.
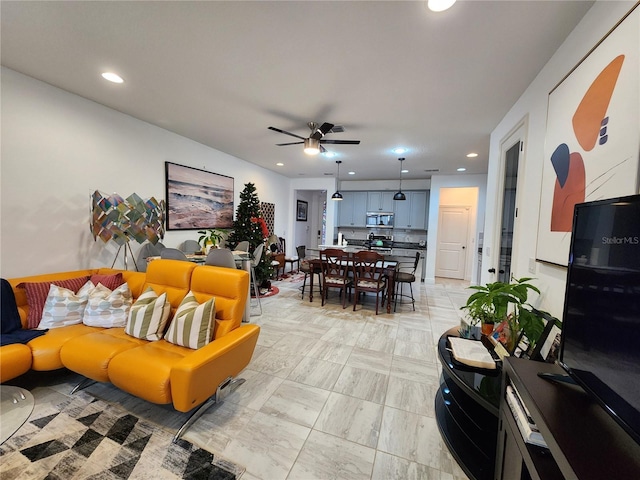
(313, 144)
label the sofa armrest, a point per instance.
(196, 377)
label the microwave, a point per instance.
(380, 219)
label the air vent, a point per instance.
(431, 170)
(328, 174)
(337, 129)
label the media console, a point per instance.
(584, 441)
(467, 406)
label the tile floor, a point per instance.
(329, 393)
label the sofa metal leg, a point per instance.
(82, 385)
(224, 389)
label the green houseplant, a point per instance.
(500, 302)
(210, 237)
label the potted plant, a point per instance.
(210, 237)
(506, 303)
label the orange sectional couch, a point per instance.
(157, 371)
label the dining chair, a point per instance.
(243, 246)
(368, 276)
(335, 273)
(190, 246)
(146, 250)
(220, 257)
(257, 255)
(289, 259)
(173, 254)
(405, 273)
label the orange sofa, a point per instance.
(157, 371)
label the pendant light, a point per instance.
(399, 195)
(337, 195)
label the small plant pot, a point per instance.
(487, 328)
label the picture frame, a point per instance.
(592, 137)
(197, 199)
(302, 208)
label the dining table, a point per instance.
(388, 267)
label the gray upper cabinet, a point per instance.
(380, 202)
(412, 212)
(353, 209)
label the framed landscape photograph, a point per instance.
(197, 199)
(301, 210)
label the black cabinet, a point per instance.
(584, 441)
(467, 407)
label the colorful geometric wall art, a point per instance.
(592, 139)
(120, 220)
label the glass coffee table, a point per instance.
(15, 408)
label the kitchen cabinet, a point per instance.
(353, 209)
(412, 212)
(380, 202)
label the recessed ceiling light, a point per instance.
(440, 5)
(462, 169)
(399, 150)
(404, 171)
(112, 77)
(279, 164)
(352, 173)
(472, 155)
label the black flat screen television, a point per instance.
(600, 345)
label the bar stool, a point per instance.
(405, 277)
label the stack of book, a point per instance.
(526, 425)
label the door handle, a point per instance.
(492, 270)
(500, 271)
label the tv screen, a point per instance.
(600, 346)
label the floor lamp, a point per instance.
(120, 220)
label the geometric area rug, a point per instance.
(86, 438)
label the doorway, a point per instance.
(451, 249)
(511, 152)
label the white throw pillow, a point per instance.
(192, 325)
(62, 307)
(107, 308)
(148, 316)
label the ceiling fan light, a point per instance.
(311, 146)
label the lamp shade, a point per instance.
(311, 146)
(337, 195)
(399, 195)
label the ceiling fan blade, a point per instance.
(286, 133)
(341, 142)
(322, 149)
(292, 143)
(322, 131)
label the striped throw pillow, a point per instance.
(148, 316)
(192, 325)
(63, 307)
(107, 308)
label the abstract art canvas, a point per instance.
(592, 139)
(197, 199)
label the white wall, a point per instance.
(532, 106)
(58, 148)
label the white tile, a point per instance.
(390, 467)
(351, 418)
(361, 383)
(316, 373)
(296, 403)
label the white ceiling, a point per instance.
(391, 72)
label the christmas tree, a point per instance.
(249, 225)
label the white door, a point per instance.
(451, 250)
